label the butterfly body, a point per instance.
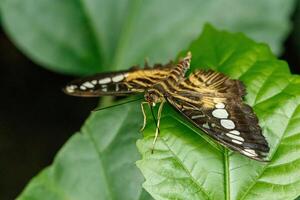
(210, 100)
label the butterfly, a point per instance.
(210, 100)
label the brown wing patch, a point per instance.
(213, 102)
(214, 84)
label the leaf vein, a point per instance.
(184, 167)
(264, 168)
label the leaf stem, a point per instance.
(226, 175)
(105, 101)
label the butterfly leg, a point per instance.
(157, 125)
(144, 115)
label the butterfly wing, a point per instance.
(213, 102)
(119, 83)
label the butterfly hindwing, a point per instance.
(214, 103)
(119, 83)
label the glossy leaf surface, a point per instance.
(96, 163)
(99, 161)
(88, 36)
(187, 166)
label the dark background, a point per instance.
(31, 99)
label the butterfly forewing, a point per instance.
(119, 83)
(210, 100)
(213, 102)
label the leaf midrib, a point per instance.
(96, 40)
(226, 164)
(99, 153)
(226, 175)
(124, 35)
(184, 167)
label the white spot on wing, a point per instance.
(220, 113)
(235, 132)
(235, 137)
(236, 141)
(88, 85)
(104, 88)
(248, 154)
(94, 82)
(206, 125)
(220, 105)
(118, 78)
(227, 123)
(250, 151)
(117, 87)
(197, 116)
(71, 88)
(82, 87)
(104, 80)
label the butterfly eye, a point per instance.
(147, 97)
(151, 97)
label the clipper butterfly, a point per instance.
(210, 100)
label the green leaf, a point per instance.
(185, 165)
(96, 163)
(88, 36)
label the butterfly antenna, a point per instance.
(130, 101)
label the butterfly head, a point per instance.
(153, 96)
